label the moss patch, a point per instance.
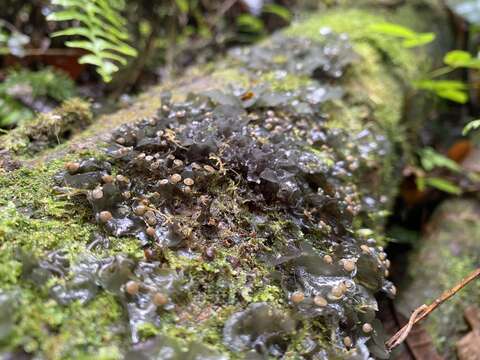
(33, 223)
(49, 129)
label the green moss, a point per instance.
(269, 293)
(207, 330)
(70, 332)
(49, 129)
(34, 221)
(32, 216)
(147, 330)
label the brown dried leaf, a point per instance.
(468, 347)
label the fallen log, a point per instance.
(235, 213)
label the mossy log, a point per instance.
(236, 213)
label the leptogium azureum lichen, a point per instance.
(244, 202)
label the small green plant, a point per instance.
(47, 84)
(439, 184)
(430, 160)
(453, 90)
(459, 58)
(102, 30)
(408, 37)
(472, 125)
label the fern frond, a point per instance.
(101, 28)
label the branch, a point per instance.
(423, 311)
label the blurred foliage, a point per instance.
(102, 30)
(434, 169)
(472, 125)
(408, 37)
(11, 40)
(431, 159)
(47, 82)
(403, 235)
(170, 35)
(23, 89)
(460, 58)
(453, 90)
(438, 183)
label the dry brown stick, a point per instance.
(423, 311)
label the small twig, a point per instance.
(423, 311)
(401, 335)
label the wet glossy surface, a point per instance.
(222, 168)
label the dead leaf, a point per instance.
(420, 344)
(468, 347)
(459, 150)
(247, 96)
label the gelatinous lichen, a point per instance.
(244, 183)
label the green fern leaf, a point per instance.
(100, 30)
(472, 125)
(73, 31)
